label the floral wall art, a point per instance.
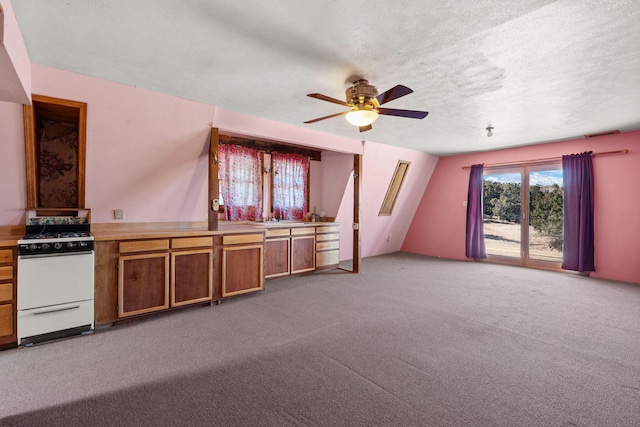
(58, 165)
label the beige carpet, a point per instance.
(412, 341)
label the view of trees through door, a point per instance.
(523, 214)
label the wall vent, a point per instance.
(609, 132)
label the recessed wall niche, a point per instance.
(55, 141)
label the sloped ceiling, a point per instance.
(537, 71)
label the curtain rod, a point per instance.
(548, 159)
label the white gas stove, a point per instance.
(55, 282)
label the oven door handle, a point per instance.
(54, 310)
(54, 254)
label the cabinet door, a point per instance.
(192, 276)
(7, 324)
(8, 332)
(143, 283)
(242, 269)
(276, 257)
(303, 254)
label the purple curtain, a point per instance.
(578, 248)
(475, 232)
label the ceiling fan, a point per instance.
(364, 103)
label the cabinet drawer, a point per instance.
(50, 319)
(329, 229)
(242, 238)
(6, 292)
(327, 258)
(6, 256)
(192, 242)
(144, 245)
(323, 246)
(6, 272)
(327, 237)
(277, 232)
(303, 230)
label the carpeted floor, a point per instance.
(411, 341)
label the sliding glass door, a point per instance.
(523, 214)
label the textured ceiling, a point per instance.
(537, 70)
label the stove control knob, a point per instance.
(33, 246)
(82, 244)
(70, 244)
(57, 245)
(45, 246)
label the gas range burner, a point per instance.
(56, 239)
(56, 235)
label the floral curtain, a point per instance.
(240, 170)
(290, 173)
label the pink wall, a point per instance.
(230, 122)
(438, 227)
(15, 77)
(13, 193)
(147, 154)
(385, 234)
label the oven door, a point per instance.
(58, 279)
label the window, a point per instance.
(523, 214)
(240, 170)
(283, 194)
(290, 185)
(394, 188)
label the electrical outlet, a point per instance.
(118, 214)
(464, 203)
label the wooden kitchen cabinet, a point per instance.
(277, 252)
(143, 278)
(242, 264)
(8, 307)
(191, 270)
(157, 274)
(303, 250)
(327, 247)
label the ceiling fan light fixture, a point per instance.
(362, 117)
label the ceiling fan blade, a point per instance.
(393, 93)
(327, 117)
(327, 98)
(365, 128)
(411, 114)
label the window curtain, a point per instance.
(240, 170)
(475, 233)
(290, 172)
(578, 248)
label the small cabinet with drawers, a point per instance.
(8, 334)
(327, 247)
